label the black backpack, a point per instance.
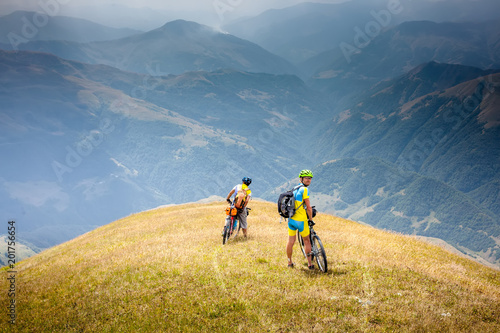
(286, 203)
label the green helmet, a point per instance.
(306, 173)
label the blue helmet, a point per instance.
(246, 180)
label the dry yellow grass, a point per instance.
(166, 270)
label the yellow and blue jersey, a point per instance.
(300, 194)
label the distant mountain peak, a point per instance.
(427, 65)
(434, 68)
(182, 27)
(444, 75)
(57, 28)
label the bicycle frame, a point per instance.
(234, 225)
(317, 249)
(229, 227)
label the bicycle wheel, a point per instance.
(225, 235)
(227, 232)
(235, 230)
(319, 253)
(301, 243)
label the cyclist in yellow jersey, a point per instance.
(299, 221)
(242, 213)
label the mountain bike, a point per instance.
(317, 249)
(230, 225)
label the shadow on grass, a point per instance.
(335, 271)
(239, 239)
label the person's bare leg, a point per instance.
(307, 245)
(289, 248)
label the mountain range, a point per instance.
(355, 67)
(404, 136)
(20, 27)
(175, 48)
(299, 33)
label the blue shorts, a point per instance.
(301, 226)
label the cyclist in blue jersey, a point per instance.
(299, 221)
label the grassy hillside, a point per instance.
(166, 270)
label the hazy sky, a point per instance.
(116, 13)
(250, 6)
(150, 14)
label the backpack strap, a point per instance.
(297, 187)
(294, 189)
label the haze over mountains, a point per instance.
(56, 28)
(300, 32)
(404, 47)
(402, 131)
(88, 137)
(177, 47)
